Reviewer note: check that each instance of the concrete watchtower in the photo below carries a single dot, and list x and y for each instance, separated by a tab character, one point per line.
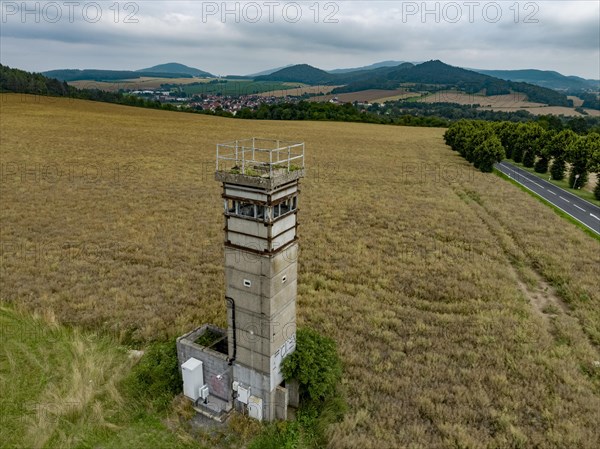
260	195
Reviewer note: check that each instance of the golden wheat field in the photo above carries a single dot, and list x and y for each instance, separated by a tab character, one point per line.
467	314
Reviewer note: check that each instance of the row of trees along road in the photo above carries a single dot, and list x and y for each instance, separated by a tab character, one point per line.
560	152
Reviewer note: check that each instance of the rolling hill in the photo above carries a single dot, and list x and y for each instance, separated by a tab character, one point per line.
268	71
169	70
174	67
431	73
544	78
300	73
376	65
107	75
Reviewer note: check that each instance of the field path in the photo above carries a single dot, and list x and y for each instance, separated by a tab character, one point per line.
544	299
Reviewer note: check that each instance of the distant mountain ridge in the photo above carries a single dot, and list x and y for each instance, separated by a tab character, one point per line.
544	78
268	71
106	75
304	73
376	65
175	67
428	73
300	73
169	70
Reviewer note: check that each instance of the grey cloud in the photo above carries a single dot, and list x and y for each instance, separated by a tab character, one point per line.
366	32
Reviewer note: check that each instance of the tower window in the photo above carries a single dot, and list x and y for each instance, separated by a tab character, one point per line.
284	207
250	210
247	210
230	206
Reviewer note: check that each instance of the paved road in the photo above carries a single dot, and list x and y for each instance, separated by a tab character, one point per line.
581	210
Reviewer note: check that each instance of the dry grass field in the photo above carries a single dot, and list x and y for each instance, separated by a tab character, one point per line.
401	96
514	100
365	95
507	103
142	83
577	102
545	110
297	90
467	313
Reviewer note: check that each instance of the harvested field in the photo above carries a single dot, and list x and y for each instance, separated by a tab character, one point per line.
516	100
545	110
142	83
363	95
298	91
576	101
507	103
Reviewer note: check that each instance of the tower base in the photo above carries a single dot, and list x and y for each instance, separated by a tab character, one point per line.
229	385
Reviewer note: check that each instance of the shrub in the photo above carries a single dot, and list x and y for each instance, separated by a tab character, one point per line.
308	431
156	377
279	435
314	364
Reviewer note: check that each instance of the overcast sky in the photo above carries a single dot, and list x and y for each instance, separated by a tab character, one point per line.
246	37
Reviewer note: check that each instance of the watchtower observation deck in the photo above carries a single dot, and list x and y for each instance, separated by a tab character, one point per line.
262	163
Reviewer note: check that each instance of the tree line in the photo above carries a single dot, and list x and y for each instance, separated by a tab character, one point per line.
561	153
325	111
20	81
453	112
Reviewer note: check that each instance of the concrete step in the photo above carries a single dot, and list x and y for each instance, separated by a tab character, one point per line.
214	408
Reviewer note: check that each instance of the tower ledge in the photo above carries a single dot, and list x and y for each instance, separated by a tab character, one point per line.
262	182
262	163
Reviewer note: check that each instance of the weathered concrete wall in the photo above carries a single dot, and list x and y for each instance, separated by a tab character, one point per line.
293	393
262	265
277	180
281	402
259	385
216	368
